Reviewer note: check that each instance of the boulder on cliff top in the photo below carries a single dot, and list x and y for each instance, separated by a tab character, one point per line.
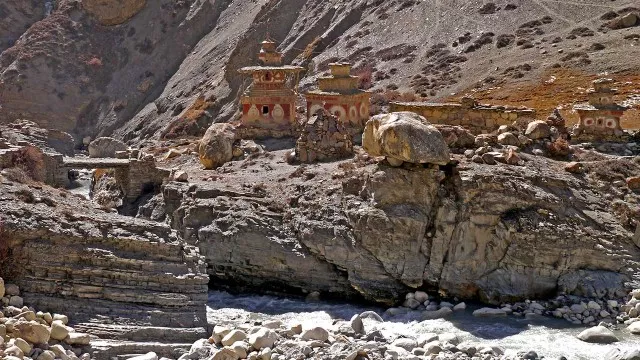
106	147
405	136
216	146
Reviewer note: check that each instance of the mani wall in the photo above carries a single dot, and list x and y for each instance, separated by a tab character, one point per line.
477	118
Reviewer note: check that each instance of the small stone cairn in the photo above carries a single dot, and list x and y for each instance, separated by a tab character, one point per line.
27	334
323	138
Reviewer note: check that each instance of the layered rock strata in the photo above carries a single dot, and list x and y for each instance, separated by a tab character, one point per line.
118	278
498	233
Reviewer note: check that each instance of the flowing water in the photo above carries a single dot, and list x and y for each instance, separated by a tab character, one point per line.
81	185
550	338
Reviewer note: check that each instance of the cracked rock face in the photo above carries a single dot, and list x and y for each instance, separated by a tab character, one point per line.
491	233
113	12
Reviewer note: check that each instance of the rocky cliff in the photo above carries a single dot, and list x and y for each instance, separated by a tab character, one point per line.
131	282
494	233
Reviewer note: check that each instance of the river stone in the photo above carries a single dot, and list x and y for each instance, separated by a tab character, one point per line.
593	305
147	356
626	354
33	332
433	348
316	333
78	339
371	315
12	290
578	308
634	328
599	335
14	351
240	348
47	355
263	338
216	146
405	136
224	354
221	331
1	288
357	325
58	330
411	303
233	336
437	314
460	307
16	301
23	345
273	324
405	343
450	338
63	318
421	296
426	338
489	312
106	147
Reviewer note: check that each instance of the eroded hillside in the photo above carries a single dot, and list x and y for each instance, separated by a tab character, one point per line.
143	70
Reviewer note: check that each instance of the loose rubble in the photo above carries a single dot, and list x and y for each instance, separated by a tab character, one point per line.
29	334
356	339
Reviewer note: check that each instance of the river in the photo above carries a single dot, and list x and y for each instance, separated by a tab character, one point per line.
551	338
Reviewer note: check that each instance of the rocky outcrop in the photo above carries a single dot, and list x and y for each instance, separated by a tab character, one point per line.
97	77
48	140
151	286
17	16
106	147
113	12
497	234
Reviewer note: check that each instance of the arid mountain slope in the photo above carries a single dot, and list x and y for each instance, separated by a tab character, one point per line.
163	68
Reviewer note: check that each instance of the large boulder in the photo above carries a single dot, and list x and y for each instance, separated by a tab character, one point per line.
598	335
405	136
538	130
263	338
33	332
216	146
106	147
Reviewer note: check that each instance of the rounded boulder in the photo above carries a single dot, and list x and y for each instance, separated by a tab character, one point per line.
405	137
216	146
106	147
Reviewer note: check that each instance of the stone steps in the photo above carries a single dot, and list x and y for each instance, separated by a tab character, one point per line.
117	349
135	333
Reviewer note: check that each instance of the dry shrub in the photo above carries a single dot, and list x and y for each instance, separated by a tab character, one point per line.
16	174
559	148
310	49
193	122
30	160
95	62
365	74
